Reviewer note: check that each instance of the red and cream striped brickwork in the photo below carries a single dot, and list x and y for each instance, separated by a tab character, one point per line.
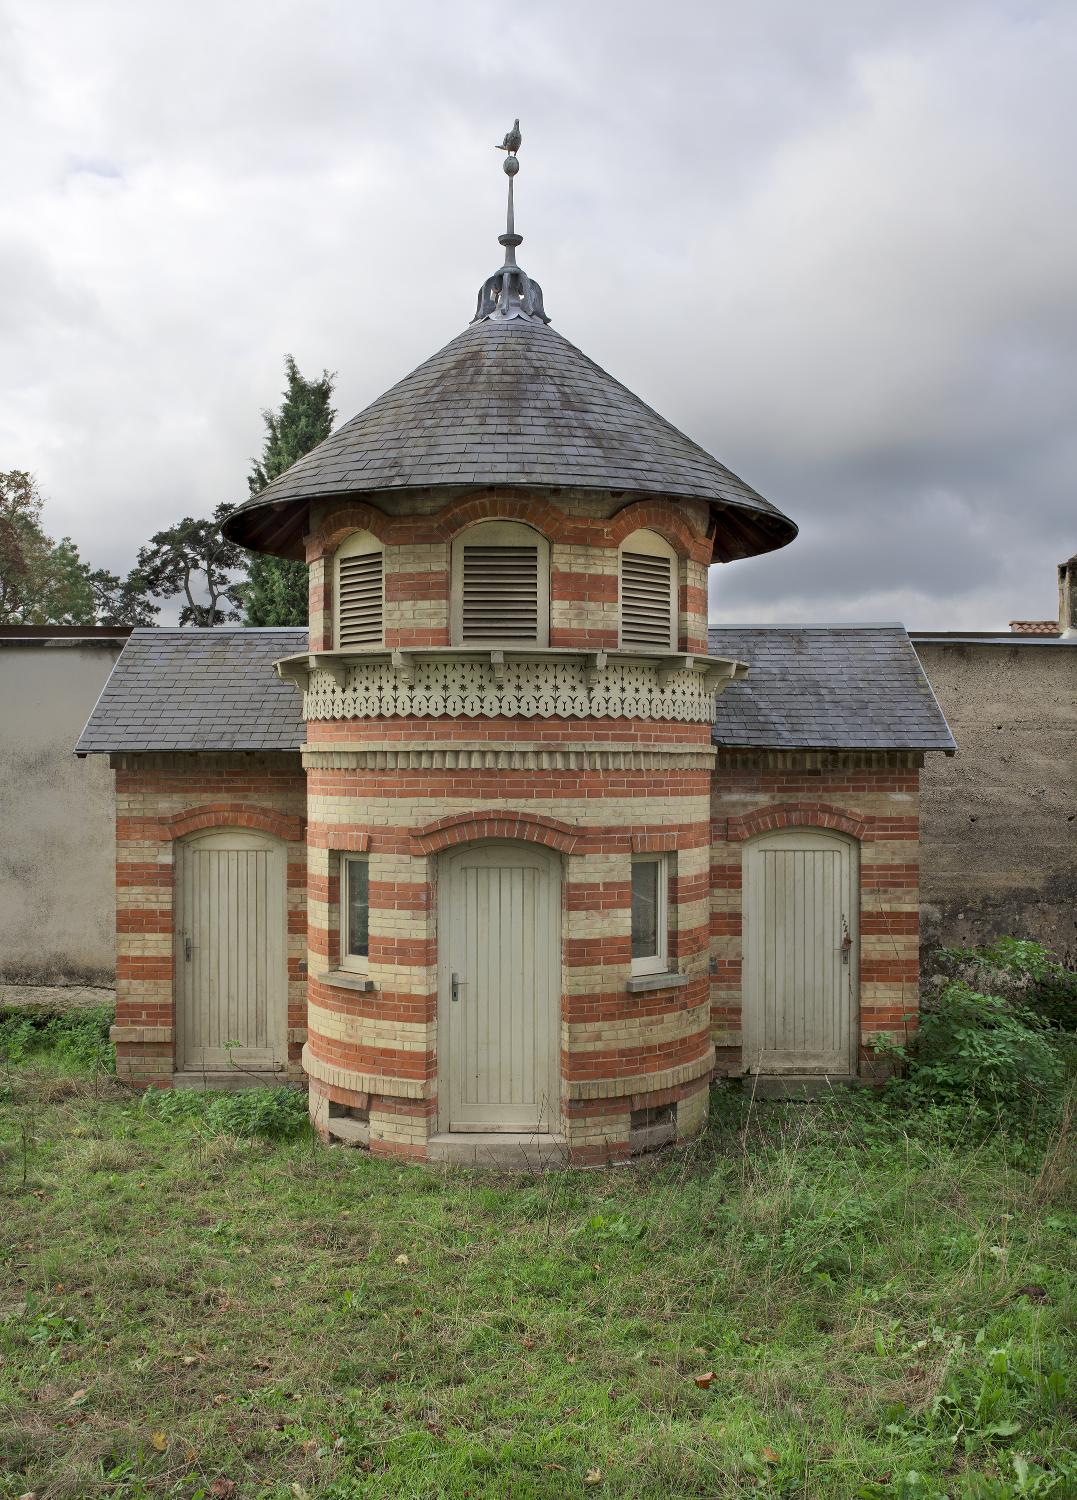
160	799
584	530
871	797
595	791
621	1053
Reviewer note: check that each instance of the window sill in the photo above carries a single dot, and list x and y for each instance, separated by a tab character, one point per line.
640	982
344	979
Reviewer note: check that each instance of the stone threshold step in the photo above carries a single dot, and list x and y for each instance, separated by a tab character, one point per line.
504	1150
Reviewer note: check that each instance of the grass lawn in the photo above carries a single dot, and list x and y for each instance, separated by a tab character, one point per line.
815	1300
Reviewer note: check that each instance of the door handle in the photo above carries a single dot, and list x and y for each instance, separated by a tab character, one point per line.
186	947
457	986
846	941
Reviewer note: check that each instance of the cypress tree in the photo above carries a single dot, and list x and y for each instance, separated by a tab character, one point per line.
277	594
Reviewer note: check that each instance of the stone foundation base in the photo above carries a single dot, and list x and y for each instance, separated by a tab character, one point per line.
605	1132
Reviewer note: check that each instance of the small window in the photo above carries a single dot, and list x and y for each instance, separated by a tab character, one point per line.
354	913
501	586
650	945
648	593
359	591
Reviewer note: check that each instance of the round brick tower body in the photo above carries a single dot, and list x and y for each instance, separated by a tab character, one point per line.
509	704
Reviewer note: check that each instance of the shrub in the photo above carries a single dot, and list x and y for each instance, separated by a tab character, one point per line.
1020	970
278	1114
77	1036
987	1050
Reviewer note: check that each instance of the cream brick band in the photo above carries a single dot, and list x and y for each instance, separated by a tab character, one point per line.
140	1033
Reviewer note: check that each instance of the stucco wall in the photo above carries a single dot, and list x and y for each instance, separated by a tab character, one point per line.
999	819
57	841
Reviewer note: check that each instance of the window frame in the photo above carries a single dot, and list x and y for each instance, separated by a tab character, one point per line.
358	544
650	544
658	962
352	963
498	534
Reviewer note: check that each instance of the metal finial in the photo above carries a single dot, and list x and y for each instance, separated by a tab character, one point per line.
510	292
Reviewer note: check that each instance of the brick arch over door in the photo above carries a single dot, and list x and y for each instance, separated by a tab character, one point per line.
470	828
223	815
795	815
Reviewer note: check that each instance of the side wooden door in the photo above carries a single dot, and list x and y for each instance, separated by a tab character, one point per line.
231	982
499	947
801	943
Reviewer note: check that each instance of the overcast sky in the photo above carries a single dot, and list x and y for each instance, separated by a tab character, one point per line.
835	243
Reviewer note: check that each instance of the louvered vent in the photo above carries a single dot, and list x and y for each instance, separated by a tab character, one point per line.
501	594
646	601
359	604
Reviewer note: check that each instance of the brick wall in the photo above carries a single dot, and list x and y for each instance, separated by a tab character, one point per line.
584	532
163	798
620	1051
872	799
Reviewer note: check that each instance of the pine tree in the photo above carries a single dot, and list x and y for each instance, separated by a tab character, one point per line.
277	594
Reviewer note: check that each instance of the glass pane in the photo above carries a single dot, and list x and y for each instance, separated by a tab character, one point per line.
645	908
356	903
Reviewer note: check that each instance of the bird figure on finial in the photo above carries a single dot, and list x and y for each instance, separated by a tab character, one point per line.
513	140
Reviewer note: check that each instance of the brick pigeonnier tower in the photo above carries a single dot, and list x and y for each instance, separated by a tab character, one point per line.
508	704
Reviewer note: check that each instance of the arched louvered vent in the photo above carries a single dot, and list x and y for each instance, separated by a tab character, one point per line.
359	600
501	594
647	616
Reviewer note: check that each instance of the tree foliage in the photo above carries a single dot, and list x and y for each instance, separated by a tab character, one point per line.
44	582
277	594
194	560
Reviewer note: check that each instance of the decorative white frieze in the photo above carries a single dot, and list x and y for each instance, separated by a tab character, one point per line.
564	685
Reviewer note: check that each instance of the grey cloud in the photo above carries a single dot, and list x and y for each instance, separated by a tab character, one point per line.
835	245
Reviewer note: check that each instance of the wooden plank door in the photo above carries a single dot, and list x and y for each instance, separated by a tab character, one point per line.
499	947
230	960
799	984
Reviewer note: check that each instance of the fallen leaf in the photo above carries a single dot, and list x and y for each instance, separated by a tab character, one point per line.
310	1445
260	1364
159	1441
570	1359
1033	1293
528	1343
221	1489
705	1381
79	1397
190	1359
276	1281
593	1476
401	1260
770	1456
190	1456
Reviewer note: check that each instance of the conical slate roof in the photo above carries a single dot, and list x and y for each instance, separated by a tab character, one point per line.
509	402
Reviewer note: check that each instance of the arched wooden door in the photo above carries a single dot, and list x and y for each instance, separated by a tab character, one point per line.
801	945
499	962
231	978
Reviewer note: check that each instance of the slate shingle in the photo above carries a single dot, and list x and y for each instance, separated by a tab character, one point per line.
198	690
513	403
826	687
842	687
